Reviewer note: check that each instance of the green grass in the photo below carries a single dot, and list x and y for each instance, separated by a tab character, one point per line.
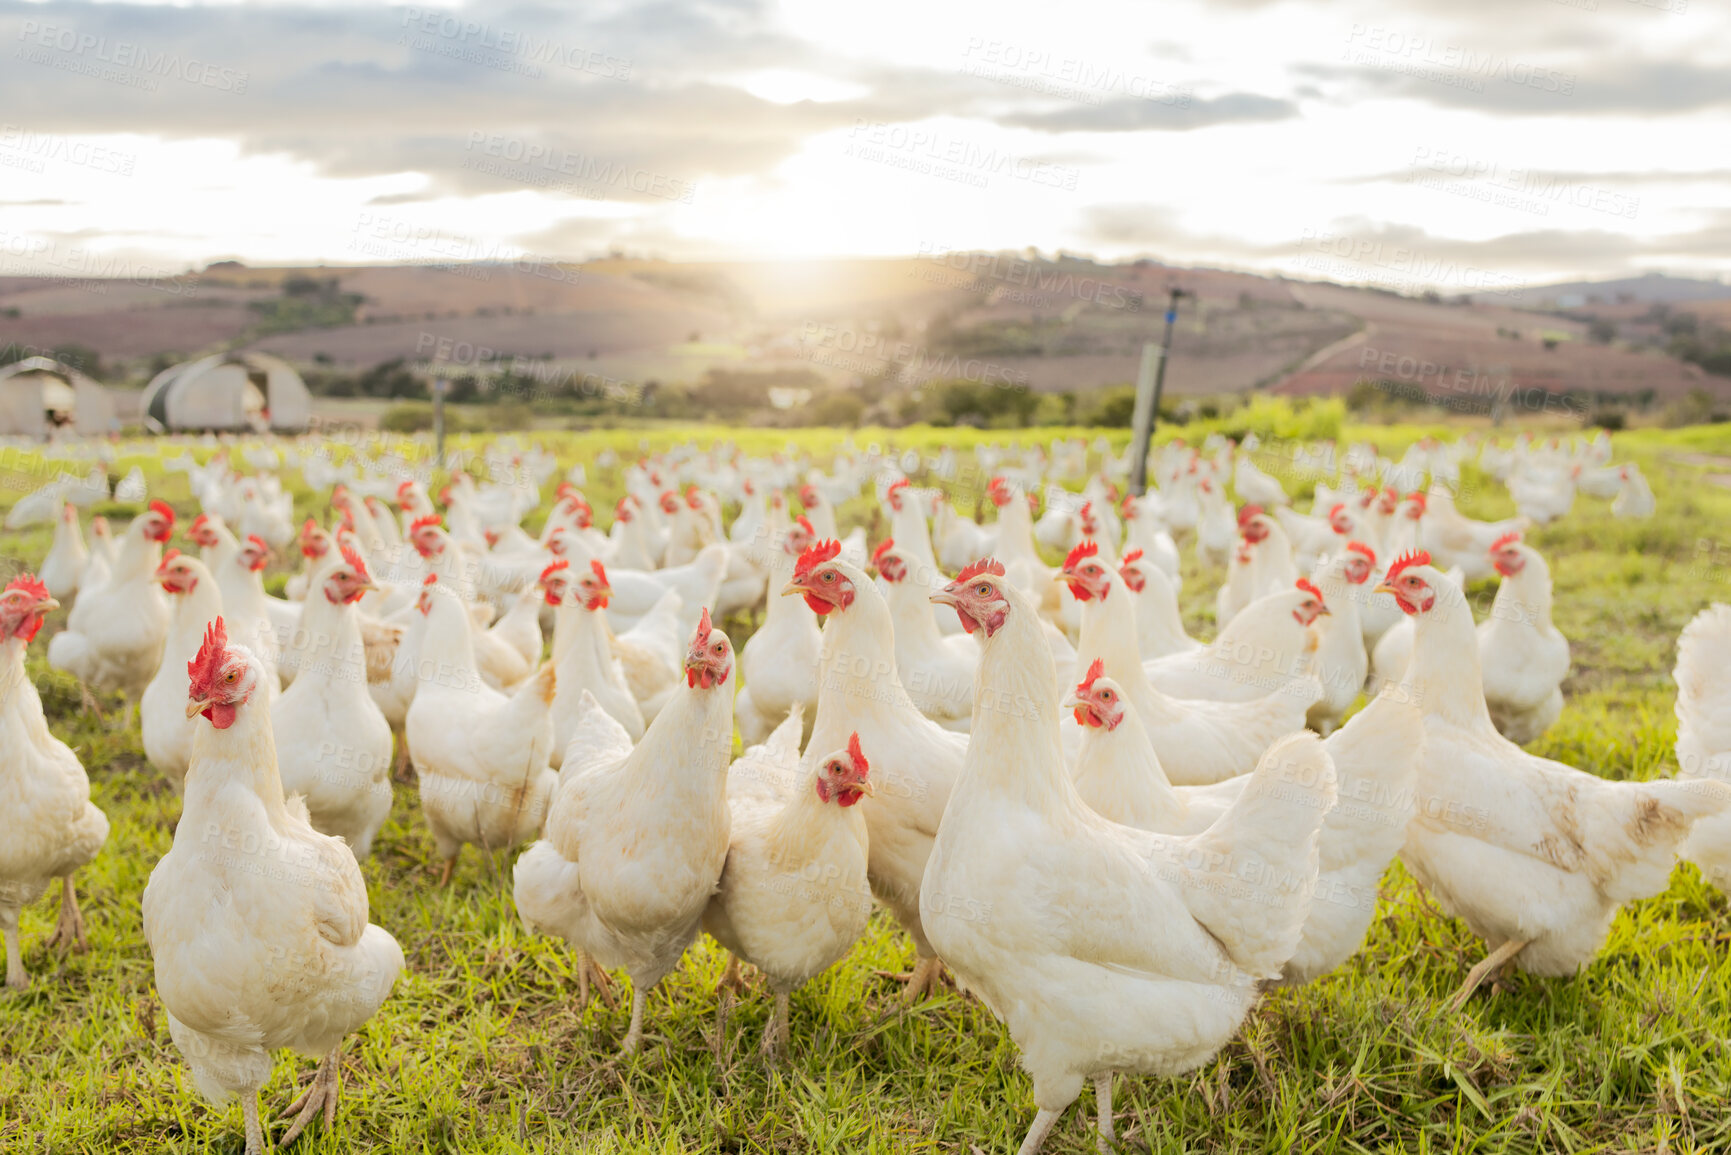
480	1048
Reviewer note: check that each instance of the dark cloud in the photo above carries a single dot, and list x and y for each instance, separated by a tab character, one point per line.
1174	112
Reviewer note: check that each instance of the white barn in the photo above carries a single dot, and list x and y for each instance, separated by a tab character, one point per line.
40	395
229	391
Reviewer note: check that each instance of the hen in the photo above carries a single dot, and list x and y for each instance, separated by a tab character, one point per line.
584	661
165	731
1200	740
637	836
64	565
1261	564
779	661
333	743
52	828
915	761
481	757
256	922
1524	657
1375	757
114	636
1159	625
937	669
793	897
1534	855
1104	948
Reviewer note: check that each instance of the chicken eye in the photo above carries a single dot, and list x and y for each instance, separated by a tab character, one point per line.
719	648
1105	695
829	575
231	677
983	590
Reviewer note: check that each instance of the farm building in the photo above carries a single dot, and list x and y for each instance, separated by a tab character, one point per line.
230	391
40	395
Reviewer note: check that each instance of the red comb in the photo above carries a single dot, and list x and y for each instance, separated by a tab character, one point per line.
1096	668
854	752
421	523
1133	555
164	509
884	547
202	670
599	570
989	565
167	556
1306	585
552	569
1417	557
805	524
703	628
1339	508
1360	547
257	542
403	489
1506	539
29	584
693	498
1248	512
429	579
1421	497
357	563
1127	509
1085	550
815	556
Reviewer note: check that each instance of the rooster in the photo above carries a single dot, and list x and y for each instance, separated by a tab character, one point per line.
793	897
1534	855
481	757
114	636
333	744
256	922
1104	948
916	760
637	835
52	828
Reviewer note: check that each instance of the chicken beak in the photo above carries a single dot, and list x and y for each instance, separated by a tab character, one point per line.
865	787
1383	588
196	707
605	591
1063	575
1325	610
44	606
944	597
793	586
1071	701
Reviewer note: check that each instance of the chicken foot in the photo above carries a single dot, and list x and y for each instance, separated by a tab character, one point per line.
634	1036
775	1032
926	978
450	868
69	930
1491	964
322	1092
1042	1126
254	1128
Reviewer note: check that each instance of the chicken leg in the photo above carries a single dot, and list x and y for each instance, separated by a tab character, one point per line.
1491	963
1103	1101
69	930
589	973
634	1035
1042	1126
254	1129
450	868
16	979
776	1031
927	977
322	1092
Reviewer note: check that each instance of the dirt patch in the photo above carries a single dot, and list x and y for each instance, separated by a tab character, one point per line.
1707	460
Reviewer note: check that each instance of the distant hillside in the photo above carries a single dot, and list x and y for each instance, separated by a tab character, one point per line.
1050	324
1652	289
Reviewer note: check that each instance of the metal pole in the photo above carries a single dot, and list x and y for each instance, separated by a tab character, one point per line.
1147	412
439	419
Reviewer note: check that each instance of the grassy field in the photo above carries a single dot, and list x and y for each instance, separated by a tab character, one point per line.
480	1049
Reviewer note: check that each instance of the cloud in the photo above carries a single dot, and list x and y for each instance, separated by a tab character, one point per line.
1175	112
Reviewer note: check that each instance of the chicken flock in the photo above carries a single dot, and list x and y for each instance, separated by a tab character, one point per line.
1113	834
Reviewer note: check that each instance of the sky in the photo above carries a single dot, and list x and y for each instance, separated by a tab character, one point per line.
1454	144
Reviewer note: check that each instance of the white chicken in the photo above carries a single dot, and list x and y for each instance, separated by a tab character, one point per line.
165	731
256	922
638	835
1104	948
333	743
793	897
936	669
1268	647
915	760
1262	564
1703	678
1534	855
1201	740
1524	657
52	828
114	636
481	756
67	557
584	658
1340	662
1159	625
779	662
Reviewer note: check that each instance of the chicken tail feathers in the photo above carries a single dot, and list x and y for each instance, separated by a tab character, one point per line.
1250	877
